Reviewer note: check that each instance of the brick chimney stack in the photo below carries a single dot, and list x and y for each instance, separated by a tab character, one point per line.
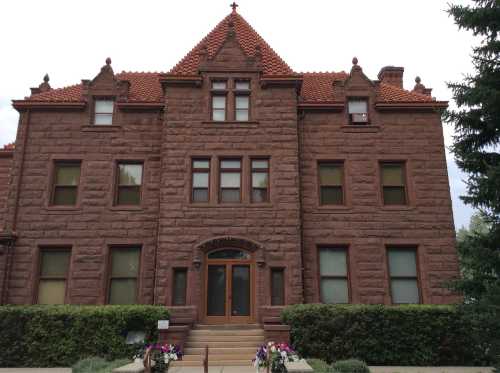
392	75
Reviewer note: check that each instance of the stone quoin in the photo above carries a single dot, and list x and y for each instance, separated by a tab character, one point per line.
227	188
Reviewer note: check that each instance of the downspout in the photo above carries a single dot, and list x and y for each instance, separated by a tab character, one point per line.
300	116
155	264
21	168
10	245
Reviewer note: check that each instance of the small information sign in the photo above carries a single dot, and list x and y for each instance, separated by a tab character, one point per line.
163	324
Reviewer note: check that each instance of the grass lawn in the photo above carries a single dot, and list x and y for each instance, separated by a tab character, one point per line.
98	365
319	366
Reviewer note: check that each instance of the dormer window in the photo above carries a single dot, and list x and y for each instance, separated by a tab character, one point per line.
230	100
358	111
103	112
219	99
242	100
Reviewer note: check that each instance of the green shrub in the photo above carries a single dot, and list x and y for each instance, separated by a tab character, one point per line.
47	336
388	335
351	366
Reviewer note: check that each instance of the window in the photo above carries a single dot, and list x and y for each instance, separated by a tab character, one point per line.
66	180
124	275
230	180
219	98
129	184
331	181
179	287
103	112
54	265
277	286
200	180
358	111
242	100
403	275
260	180
333	275
393	183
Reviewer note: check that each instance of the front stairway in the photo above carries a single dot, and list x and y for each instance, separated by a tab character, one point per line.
228	345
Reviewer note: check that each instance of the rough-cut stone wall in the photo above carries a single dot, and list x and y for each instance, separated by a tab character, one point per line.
271	132
364	224
94	223
5	167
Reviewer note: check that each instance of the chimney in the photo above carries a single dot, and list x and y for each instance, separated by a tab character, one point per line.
392	75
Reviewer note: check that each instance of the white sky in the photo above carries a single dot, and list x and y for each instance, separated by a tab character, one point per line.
71	39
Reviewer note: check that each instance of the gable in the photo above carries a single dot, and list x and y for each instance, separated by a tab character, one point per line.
249	40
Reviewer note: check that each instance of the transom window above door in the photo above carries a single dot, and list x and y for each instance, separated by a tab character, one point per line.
228	254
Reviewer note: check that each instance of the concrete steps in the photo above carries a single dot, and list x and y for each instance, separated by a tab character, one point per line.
228	345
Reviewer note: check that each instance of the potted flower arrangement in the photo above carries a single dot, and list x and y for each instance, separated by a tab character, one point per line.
157	357
273	356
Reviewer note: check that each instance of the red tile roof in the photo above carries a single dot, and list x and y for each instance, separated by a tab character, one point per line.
390	93
248	39
144	87
318	87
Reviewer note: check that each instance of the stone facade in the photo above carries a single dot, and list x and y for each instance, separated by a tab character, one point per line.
167	133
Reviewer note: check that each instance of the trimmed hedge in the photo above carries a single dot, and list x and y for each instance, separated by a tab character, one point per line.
390	335
48	336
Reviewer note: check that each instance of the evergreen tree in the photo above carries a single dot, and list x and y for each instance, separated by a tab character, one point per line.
476	148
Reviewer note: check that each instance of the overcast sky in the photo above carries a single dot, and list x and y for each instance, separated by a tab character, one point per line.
70	40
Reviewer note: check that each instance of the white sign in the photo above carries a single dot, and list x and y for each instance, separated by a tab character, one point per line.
163	324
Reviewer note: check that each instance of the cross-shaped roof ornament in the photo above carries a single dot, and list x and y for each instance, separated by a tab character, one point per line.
234	6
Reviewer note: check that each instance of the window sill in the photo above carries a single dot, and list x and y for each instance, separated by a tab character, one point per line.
100	128
63	209
126	208
356	128
231	123
332	209
230	205
398	208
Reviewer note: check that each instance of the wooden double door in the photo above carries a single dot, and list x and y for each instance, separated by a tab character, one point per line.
229	287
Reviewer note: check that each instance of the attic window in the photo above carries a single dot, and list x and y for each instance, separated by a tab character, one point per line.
103	112
358	111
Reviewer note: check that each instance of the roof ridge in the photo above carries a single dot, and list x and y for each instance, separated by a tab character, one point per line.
140	72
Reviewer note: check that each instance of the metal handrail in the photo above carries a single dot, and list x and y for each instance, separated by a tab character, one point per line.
205	360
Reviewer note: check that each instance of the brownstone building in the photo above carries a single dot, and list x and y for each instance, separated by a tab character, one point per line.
227	187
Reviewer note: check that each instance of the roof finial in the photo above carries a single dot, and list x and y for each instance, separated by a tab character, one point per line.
355	61
418	80
46	78
108	61
234	6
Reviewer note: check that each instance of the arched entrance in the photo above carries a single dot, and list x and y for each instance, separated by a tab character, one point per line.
229	286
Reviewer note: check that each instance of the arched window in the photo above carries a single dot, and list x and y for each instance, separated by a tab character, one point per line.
228	254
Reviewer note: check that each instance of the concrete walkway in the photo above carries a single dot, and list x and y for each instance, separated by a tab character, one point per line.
402	369
35	370
251	369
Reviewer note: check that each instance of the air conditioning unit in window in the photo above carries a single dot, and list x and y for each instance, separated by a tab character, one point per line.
359	118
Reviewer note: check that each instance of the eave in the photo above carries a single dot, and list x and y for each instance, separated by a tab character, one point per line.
7	237
411	106
141	105
322	106
186	80
281	80
6	153
20	105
